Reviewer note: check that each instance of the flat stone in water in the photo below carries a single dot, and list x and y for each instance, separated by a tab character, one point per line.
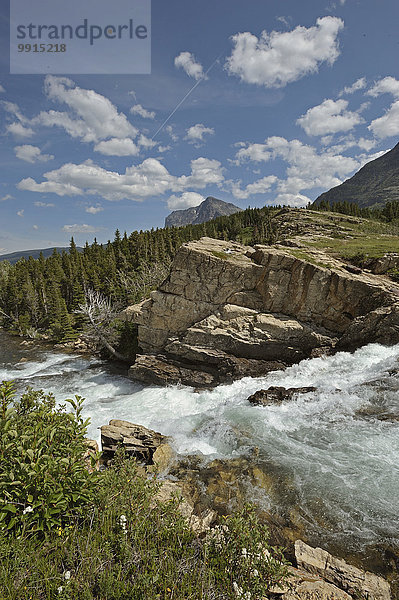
277	395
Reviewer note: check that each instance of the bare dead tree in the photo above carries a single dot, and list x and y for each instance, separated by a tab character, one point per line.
139	284
100	314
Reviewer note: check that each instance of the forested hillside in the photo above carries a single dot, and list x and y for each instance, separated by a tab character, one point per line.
43	295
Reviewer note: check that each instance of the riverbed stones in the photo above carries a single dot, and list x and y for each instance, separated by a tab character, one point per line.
336	571
137	441
277	395
163	458
199	522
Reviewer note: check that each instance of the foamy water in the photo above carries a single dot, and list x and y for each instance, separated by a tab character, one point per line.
343	467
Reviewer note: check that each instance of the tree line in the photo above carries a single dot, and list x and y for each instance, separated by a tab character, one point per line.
387	213
46	295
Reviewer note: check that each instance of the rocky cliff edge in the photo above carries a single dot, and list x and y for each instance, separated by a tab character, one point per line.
227	311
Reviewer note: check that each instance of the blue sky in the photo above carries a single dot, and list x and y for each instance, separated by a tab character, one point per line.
290	99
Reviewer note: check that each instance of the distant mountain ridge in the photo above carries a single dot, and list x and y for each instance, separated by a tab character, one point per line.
14	257
372	186
208	209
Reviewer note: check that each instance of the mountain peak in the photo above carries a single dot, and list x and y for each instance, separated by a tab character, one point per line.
209	209
372	186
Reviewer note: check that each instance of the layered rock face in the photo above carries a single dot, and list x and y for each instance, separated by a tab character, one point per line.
227	311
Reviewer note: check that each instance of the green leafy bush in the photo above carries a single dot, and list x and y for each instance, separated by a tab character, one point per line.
69	535
44	480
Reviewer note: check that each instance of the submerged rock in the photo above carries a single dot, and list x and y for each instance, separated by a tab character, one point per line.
277	395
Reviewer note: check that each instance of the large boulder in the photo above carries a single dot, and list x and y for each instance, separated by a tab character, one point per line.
137	441
224	303
357	583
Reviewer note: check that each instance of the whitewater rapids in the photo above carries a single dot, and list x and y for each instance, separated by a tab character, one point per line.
338	447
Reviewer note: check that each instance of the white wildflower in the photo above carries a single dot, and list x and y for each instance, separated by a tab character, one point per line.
67	575
27	510
122	522
244	553
60	589
239	592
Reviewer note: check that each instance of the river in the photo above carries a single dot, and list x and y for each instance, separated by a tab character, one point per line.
338	447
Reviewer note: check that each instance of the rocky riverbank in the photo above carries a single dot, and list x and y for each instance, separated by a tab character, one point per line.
205	494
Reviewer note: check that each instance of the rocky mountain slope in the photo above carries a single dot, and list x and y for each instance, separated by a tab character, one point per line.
374	185
228	310
14	257
208	209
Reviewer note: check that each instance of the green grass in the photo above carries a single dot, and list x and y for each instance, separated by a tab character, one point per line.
374	246
303	255
221	255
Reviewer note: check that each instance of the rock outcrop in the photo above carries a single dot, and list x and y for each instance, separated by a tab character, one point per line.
137	441
227	311
357	583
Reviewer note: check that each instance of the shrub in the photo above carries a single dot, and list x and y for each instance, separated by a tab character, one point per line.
241	558
69	535
44	481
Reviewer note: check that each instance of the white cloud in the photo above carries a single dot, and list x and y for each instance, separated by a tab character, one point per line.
260	186
93	210
150	178
35	227
6	197
306	168
359	84
80	228
2	89
388	124
284	20
171	133
146	142
195	134
278	58
117	147
186	200
31	154
387	85
14	110
162	149
137	109
20	213
292	199
330	116
44	204
349	141
93	118
187	62
20	130
49	187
